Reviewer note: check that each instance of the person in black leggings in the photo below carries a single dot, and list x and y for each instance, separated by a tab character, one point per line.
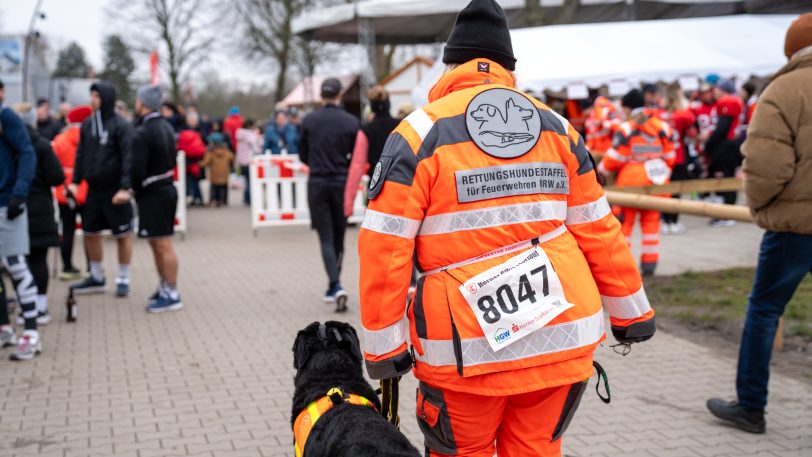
38	265
42	229
67	216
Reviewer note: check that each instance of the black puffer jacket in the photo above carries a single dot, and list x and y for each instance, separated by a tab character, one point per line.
42	227
104	155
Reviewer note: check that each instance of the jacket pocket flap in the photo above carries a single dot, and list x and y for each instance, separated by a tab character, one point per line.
427	411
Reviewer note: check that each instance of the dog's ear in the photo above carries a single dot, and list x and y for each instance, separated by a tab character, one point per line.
349	335
301	346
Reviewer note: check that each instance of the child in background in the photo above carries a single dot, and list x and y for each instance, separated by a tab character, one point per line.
249	144
218	160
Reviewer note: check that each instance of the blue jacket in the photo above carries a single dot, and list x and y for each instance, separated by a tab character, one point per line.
17	158
289	136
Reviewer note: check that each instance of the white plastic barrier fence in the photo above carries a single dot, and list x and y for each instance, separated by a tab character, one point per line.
180	186
279	193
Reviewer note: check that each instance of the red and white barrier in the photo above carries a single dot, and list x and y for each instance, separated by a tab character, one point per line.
279	193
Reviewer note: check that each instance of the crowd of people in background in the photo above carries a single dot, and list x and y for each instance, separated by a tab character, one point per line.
707	128
697	136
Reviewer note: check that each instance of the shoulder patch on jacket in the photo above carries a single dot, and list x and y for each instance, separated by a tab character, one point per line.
397	164
503	123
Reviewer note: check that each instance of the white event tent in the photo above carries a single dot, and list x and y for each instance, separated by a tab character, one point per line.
622	54
555	57
430	21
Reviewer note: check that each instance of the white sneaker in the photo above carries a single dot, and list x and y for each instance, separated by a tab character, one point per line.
7	337
28	346
677	228
665	229
716	223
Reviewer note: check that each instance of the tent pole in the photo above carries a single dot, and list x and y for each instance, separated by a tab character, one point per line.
366	77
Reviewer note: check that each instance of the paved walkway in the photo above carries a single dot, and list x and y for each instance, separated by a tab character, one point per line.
216	378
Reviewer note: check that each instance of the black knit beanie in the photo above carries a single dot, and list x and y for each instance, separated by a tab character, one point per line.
481	31
633	99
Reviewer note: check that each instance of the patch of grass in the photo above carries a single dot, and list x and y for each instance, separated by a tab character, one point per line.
719	299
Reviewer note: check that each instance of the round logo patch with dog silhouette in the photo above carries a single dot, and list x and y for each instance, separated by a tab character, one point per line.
503	123
376	175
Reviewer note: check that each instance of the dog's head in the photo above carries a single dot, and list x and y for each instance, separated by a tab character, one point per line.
334	344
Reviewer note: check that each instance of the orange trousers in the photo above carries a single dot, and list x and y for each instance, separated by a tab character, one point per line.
470	425
650	225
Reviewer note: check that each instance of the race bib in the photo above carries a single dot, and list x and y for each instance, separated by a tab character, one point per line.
515	298
657	171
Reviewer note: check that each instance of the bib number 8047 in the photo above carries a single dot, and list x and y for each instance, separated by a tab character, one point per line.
506	299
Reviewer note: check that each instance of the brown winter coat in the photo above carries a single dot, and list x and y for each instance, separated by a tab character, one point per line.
218	161
778	151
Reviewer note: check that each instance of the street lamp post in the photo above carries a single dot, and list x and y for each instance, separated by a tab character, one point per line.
29	36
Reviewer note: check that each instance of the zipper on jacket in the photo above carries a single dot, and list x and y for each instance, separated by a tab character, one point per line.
455	335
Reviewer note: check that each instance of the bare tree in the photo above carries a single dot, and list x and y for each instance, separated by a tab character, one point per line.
384	58
177	25
267	29
266	25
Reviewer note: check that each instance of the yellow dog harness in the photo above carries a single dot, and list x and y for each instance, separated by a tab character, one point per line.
308	417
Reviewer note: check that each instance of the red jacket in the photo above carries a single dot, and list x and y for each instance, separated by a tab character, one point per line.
190	142
728	106
65	145
230	126
683	123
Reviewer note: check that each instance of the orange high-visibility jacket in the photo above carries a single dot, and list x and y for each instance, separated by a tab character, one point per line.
601	125
438	198
634	145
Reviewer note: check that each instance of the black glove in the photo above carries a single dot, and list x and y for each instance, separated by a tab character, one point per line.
16	206
635	333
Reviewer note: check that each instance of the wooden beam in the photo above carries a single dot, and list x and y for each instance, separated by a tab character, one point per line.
684	187
673	205
778	343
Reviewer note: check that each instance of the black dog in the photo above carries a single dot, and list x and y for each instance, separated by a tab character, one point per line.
327	356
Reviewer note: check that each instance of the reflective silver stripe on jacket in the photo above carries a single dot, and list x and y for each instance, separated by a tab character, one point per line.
590	212
156	178
420	122
386	340
388	224
628	307
547	340
501	251
614	154
495	216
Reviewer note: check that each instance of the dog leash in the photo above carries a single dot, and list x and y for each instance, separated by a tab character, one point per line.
390	394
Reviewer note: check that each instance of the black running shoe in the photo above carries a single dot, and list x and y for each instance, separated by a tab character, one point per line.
733	412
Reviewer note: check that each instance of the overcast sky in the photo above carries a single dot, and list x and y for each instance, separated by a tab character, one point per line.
66	20
86	22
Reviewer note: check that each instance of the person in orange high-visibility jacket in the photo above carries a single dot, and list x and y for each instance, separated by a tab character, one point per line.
643	154
65	145
494	198
601	124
